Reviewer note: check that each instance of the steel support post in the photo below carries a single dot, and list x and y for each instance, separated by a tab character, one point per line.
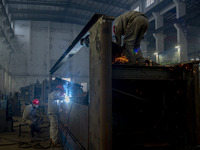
50	83
197	101
193	106
100	105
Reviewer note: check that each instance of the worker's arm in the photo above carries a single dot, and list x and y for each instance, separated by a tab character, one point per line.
55	97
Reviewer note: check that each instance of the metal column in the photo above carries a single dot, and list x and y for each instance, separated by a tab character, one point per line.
50	83
100	106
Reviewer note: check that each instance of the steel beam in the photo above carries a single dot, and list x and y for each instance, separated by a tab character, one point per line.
113	3
63	58
48	19
64	5
47	12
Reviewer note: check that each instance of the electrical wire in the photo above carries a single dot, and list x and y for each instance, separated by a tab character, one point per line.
70	133
30	144
130	95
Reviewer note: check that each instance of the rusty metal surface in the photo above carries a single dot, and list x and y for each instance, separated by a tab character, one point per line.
167	93
197	100
100	106
123	71
193	104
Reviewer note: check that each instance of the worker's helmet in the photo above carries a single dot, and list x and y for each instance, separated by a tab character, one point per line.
36	102
60	87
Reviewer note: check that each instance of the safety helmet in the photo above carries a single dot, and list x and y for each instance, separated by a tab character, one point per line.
60	87
36	102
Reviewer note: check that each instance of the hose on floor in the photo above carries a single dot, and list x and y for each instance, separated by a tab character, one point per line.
31	144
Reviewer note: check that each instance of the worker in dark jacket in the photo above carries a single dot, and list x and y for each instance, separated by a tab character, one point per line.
31	117
53	112
132	25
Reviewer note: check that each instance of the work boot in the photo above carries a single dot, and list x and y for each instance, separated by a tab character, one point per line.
140	60
130	56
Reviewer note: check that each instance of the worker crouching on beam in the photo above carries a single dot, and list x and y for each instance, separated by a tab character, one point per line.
132	25
53	112
31	117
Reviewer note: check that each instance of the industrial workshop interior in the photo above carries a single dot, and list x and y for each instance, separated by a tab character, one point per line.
99	74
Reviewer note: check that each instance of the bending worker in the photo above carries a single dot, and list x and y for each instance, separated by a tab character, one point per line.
53	112
132	25
30	116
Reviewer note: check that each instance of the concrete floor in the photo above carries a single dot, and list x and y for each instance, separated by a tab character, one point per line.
12	141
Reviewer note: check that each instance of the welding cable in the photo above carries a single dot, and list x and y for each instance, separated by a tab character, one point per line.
68	122
34	144
75	139
10	144
69	114
130	95
16	142
70	133
26	144
10	140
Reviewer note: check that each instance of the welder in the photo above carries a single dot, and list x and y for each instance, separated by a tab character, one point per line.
31	117
53	113
132	25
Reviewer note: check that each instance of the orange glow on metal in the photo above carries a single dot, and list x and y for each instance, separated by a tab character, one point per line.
121	60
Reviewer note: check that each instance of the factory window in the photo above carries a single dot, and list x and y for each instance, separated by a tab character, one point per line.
66	79
137	9
149	2
84	86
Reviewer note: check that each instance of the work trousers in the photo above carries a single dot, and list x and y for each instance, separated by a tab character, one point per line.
34	128
134	33
53	118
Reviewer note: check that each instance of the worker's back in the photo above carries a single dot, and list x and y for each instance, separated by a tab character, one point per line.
29	113
123	20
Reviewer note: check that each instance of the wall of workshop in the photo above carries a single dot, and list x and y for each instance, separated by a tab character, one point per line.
76	68
5	75
38	46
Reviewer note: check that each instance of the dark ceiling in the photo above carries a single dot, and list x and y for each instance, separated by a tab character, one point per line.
65	11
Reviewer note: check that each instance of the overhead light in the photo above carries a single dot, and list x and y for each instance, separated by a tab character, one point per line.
156	53
177	47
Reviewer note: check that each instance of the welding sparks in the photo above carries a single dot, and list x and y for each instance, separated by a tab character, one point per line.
67	98
67	94
121	60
